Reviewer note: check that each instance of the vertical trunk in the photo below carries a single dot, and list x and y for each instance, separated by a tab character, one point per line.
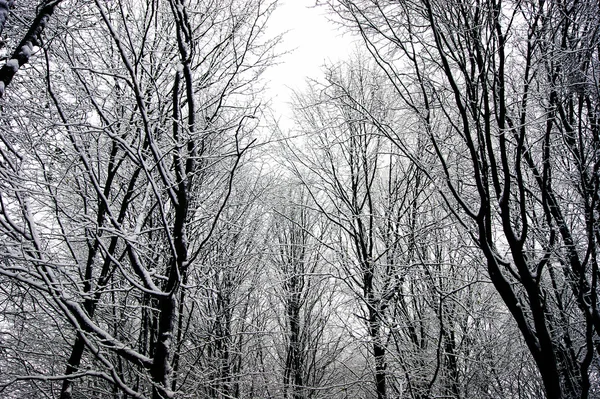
72	367
91	302
294	363
451	364
161	367
374	325
225	339
538	342
378	354
180	332
79	344
380	364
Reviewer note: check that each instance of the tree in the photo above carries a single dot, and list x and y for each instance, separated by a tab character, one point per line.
506	94
439	323
147	113
392	243
343	161
308	297
225	296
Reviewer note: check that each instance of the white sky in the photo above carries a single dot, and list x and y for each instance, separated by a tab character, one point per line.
312	40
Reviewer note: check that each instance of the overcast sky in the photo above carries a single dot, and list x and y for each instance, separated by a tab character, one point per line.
312	40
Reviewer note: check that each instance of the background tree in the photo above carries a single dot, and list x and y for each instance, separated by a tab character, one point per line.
397	250
224	292
308	296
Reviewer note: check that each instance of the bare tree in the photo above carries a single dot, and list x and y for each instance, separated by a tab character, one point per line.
425	277
222	339
381	205
504	92
146	115
345	159
307	297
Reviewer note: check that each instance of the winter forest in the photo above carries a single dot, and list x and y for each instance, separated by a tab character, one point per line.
426	226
